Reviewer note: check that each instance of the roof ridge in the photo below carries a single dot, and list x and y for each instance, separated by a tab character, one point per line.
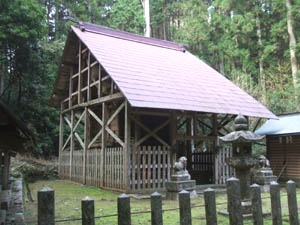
107	31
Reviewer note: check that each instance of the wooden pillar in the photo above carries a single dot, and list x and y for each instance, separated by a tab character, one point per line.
70	87
1	166
79	74
103	143
61	139
189	144
173	133
86	141
215	134
89	77
5	176
99	84
72	145
127	147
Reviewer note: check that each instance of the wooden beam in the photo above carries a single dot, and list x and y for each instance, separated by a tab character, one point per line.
103	145
115	113
61	139
149	113
89	77
111	133
70	87
72	145
95	102
95	138
99	84
127	147
151	133
79	120
79	75
95	117
86	142
256	124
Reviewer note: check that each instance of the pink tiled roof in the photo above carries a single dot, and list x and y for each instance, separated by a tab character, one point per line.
159	74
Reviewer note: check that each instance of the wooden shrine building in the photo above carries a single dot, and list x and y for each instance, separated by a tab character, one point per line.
283	145
131	105
13	135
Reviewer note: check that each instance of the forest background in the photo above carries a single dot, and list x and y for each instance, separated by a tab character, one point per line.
253	43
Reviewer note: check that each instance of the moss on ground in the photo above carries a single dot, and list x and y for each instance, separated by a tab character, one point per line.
68	196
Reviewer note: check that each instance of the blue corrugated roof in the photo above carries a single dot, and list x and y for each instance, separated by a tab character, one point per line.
286	124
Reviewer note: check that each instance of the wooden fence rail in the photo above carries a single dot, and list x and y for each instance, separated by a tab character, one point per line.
46	206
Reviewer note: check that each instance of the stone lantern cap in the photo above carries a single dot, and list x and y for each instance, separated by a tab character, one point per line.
241	133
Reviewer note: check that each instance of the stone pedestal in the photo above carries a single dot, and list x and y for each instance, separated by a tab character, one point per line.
263	177
179	183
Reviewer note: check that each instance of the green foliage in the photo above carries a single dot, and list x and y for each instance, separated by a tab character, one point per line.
127	15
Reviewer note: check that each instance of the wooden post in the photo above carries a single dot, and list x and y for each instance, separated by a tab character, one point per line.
234	201
61	139
79	74
87	211
156	209
103	143
99	84
89	77
214	133
5	176
185	208
210	207
46	207
86	142
189	144
275	203
256	204
292	202
70	88
124	217
72	145
127	149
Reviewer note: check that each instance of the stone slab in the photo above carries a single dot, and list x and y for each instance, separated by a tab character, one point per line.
179	178
245	216
177	186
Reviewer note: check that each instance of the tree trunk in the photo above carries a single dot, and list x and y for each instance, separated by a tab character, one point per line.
262	75
292	43
147	18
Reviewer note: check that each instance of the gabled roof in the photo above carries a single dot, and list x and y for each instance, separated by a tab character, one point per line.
152	73
286	124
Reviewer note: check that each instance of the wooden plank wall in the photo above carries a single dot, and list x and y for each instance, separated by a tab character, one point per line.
114	167
113	173
150	167
276	154
64	164
222	170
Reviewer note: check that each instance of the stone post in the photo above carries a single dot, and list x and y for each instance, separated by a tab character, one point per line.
210	207
124	217
275	203
234	201
156	209
185	208
46	209
292	202
87	211
256	204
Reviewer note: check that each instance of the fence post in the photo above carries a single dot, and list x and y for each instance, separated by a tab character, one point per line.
256	204
87	211
156	209
124	210
292	202
185	208
275	203
234	201
46	210
210	207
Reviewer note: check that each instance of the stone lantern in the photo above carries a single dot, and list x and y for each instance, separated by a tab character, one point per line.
242	159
